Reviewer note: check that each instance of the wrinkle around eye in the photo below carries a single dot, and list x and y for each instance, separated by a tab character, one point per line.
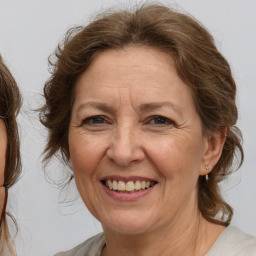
162	120
94	120
95	123
164	129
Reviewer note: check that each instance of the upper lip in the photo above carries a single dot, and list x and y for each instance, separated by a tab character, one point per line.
126	179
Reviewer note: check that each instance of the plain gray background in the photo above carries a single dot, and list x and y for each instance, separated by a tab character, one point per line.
30	31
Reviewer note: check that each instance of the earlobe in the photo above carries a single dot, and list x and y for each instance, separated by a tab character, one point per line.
213	150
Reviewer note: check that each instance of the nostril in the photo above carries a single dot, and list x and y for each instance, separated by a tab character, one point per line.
125	156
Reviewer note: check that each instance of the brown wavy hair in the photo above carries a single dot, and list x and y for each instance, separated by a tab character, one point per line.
198	62
10	103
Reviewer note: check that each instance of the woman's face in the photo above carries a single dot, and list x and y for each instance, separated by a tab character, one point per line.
3	146
134	125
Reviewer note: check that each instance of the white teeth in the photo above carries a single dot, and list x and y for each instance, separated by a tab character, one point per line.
110	184
121	185
130	186
137	185
114	185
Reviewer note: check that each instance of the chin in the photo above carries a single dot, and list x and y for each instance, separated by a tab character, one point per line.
127	223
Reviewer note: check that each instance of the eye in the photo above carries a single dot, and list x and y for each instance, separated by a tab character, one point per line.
94	120
160	120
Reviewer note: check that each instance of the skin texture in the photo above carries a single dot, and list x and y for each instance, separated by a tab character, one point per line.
136	85
3	146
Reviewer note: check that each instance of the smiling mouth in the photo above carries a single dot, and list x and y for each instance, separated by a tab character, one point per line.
129	186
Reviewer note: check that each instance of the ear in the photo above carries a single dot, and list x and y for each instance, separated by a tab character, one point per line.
214	143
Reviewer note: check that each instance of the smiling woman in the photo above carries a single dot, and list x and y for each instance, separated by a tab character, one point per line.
141	104
133	145
10	102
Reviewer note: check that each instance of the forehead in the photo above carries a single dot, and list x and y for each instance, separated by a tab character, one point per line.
131	63
146	74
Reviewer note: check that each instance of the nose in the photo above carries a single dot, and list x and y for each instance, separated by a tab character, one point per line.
125	147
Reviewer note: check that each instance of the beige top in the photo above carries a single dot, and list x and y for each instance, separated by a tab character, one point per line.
232	242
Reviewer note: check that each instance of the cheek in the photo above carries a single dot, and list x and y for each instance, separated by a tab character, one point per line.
176	156
85	153
178	163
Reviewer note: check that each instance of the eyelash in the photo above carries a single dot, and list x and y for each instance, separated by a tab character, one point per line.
162	119
93	118
99	120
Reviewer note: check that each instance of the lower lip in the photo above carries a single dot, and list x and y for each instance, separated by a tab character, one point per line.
123	196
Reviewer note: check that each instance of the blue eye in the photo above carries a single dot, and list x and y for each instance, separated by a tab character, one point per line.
94	120
160	120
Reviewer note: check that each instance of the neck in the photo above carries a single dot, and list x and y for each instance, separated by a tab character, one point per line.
185	238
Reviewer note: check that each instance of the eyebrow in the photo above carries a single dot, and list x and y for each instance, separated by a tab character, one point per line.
99	105
146	107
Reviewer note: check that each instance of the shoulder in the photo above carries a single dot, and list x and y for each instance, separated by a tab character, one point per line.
233	242
91	247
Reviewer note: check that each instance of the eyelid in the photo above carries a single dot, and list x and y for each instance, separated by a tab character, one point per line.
87	119
106	120
168	120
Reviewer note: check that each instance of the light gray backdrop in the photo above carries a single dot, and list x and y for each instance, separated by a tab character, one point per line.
30	31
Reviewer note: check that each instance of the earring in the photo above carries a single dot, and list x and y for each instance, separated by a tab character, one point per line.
206	176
